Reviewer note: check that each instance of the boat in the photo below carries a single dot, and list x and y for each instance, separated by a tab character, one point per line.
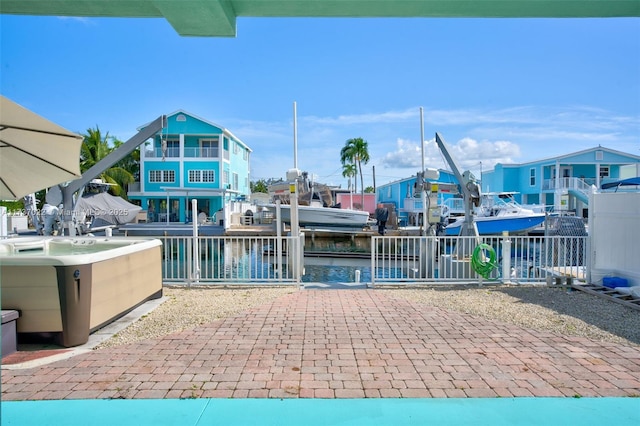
316	206
634	181
317	216
498	212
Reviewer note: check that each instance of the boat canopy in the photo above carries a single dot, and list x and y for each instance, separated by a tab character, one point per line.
105	209
634	181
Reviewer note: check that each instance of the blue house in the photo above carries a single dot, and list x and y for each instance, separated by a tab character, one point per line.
562	183
405	198
190	158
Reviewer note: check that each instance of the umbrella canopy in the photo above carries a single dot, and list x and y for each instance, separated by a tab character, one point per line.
34	152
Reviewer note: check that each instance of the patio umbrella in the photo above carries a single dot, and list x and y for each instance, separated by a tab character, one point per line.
34	152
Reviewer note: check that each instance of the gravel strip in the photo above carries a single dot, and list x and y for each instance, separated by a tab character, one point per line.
187	308
570	313
537	307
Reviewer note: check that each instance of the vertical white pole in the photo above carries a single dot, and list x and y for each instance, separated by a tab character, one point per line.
506	258
168	208
295	135
196	244
293	190
423	194
278	240
422	136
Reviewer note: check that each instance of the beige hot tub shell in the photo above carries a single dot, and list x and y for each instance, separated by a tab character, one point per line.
76	295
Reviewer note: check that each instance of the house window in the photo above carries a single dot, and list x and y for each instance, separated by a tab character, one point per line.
162	176
202	176
604	171
225	148
173	148
245	154
235	181
599	155
236	147
225	177
209	148
208	175
532	177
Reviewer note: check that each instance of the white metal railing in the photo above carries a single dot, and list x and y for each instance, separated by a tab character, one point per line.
464	260
577	184
232	260
201	152
171	152
395	260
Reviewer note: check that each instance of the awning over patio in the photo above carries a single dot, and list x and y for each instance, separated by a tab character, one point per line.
216	18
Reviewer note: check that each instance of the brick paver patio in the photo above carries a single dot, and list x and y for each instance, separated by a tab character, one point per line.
340	344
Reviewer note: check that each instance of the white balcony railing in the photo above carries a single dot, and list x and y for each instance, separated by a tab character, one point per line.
189	152
201	152
577	184
157	153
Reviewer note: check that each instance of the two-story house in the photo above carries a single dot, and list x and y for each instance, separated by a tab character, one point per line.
561	183
191	158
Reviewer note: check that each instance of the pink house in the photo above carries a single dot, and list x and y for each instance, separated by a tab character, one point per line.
354	201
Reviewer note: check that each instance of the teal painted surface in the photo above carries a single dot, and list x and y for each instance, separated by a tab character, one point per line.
312	412
579	195
194	130
191	125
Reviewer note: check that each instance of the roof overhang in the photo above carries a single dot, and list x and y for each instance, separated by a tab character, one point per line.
217	18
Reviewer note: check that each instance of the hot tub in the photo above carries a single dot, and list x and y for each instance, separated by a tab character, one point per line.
68	287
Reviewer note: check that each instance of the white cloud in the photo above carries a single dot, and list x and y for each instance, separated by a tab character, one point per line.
467	153
406	155
488	136
83	20
410	114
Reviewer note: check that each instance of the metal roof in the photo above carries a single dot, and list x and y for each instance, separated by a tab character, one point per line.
217	18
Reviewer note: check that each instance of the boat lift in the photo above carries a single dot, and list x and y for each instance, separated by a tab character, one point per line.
64	194
469	188
481	258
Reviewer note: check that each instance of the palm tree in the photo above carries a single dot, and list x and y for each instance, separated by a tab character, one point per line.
350	170
356	151
94	148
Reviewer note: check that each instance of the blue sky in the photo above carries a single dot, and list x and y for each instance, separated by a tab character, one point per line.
497	90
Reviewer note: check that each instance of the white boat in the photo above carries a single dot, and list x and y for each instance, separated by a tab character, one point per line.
316	206
316	216
498	213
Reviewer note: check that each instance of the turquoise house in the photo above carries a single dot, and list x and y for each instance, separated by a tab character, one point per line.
562	183
191	158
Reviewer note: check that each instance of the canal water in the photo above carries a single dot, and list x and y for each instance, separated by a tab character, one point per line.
336	270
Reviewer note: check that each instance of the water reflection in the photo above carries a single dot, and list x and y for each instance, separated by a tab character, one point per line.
335	270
